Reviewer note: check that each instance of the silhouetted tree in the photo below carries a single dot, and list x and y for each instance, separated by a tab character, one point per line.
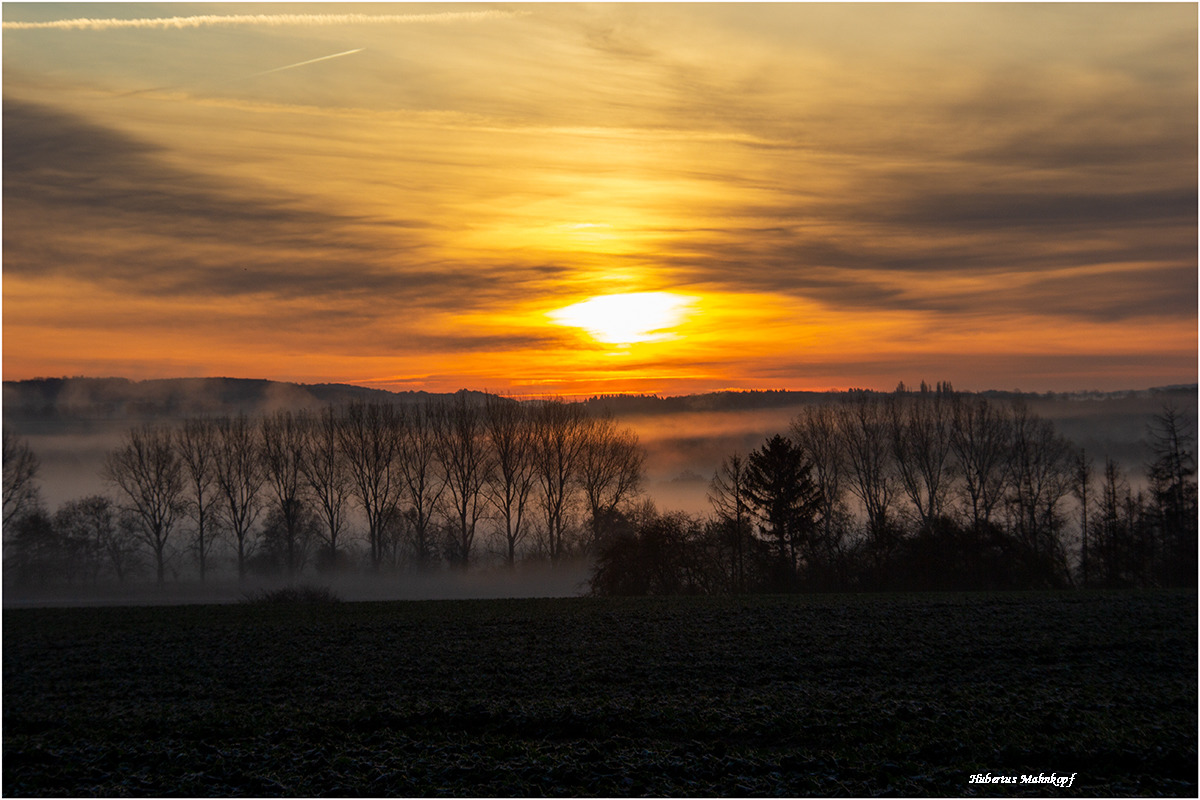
816	431
659	556
1081	488
610	472
20	477
1113	532
148	473
94	536
863	420
921	431
730	499
240	478
559	430
780	487
510	433
196	442
467	465
285	544
1040	465
282	441
370	436
326	475
981	438
423	478
1172	472
34	552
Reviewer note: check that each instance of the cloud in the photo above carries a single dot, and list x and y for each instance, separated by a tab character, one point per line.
1028	211
309	61
92	181
85	202
260	20
977	173
57	159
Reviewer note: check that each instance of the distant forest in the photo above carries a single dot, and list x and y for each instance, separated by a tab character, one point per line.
924	488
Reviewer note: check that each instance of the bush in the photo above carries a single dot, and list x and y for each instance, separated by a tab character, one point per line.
292	595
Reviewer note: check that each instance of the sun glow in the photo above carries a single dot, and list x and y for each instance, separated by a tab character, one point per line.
625	319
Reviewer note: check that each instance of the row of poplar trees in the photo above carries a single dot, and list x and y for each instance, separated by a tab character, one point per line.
413	484
927	489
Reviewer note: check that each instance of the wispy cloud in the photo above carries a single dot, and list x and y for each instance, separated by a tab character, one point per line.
309	61
269	20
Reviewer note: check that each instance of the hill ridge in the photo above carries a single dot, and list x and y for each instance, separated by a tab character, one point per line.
118	397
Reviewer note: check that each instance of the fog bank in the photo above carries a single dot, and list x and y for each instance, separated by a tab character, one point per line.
524	581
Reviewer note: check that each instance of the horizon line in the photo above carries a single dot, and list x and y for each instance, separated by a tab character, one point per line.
584	397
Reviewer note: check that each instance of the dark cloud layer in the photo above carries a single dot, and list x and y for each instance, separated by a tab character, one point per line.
60	161
85	201
1063	212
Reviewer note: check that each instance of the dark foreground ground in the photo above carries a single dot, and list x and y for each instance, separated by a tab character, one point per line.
828	695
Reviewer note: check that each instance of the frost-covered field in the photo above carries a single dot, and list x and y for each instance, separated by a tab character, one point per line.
824	695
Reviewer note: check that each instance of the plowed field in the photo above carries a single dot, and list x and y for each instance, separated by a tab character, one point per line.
821	695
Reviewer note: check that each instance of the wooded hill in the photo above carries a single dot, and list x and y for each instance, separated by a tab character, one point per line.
121	398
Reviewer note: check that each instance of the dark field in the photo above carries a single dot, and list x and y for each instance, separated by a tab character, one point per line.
825	695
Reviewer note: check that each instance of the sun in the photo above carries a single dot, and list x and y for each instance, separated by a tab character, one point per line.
625	319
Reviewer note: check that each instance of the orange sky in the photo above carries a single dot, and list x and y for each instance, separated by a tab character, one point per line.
786	195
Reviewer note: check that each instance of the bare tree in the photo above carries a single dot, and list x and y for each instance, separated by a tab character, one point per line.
282	439
370	438
817	432
1173	492
920	427
729	496
81	526
863	421
147	471
558	436
423	480
33	550
981	438
326	473
96	537
610	472
464	455
510	433
1041	478
1113	525
1081	487
240	477
20	476
196	442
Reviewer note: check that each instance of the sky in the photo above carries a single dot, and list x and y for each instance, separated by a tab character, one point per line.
604	198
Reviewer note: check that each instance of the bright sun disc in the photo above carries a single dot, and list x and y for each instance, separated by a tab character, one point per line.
626	318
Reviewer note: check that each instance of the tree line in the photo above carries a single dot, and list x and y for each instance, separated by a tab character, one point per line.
389	485
927	489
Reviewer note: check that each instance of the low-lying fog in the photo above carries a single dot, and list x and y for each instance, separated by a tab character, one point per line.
684	450
524	580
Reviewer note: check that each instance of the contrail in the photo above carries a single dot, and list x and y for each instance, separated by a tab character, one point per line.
310	61
206	20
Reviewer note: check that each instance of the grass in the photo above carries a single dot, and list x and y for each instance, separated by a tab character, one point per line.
824	695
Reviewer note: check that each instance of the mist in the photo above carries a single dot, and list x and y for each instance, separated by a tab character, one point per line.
72	433
684	449
525	580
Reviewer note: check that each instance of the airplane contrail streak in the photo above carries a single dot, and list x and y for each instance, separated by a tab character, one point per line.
310	61
205	20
